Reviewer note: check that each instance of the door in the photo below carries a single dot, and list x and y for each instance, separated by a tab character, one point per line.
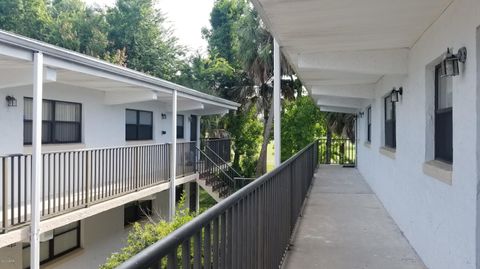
193	128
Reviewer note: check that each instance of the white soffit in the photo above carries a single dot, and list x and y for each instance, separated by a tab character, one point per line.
337	42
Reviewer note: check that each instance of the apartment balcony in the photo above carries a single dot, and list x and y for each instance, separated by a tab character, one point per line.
76	180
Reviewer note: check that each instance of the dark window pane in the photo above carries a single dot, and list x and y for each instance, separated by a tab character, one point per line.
139	125
444	91
131	116
67	112
66	132
65	242
390	128
144	132
27	132
443	118
145	117
131	132
180	132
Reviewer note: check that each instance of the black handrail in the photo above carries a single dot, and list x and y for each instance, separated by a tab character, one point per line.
230	181
251	228
222	161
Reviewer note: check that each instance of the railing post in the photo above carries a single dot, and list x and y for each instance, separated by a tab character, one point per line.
88	178
5	197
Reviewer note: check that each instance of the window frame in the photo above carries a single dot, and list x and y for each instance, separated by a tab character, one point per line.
437	113
137	135
182	136
369	124
390	123
51	245
52	123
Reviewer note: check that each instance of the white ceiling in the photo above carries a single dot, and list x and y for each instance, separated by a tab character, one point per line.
324	39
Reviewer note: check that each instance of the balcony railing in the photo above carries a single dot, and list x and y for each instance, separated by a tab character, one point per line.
79	178
337	151
221	146
249	229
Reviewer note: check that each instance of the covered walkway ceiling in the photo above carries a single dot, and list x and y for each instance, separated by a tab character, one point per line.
341	48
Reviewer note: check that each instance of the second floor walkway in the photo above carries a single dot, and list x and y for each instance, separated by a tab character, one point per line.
344	226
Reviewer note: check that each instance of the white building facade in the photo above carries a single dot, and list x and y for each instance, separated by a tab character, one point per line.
107	133
419	154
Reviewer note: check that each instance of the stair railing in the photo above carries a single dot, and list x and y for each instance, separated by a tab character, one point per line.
209	166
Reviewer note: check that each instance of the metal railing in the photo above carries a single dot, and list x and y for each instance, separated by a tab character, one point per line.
215	175
337	151
79	178
249	229
222	146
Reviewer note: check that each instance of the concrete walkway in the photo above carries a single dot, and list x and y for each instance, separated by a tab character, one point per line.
344	226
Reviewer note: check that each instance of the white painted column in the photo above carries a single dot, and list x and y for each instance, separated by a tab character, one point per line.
36	159
173	157
198	131
276	103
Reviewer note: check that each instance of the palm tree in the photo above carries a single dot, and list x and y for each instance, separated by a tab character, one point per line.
255	53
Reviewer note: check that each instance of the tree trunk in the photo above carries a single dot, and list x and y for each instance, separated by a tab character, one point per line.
262	159
328	146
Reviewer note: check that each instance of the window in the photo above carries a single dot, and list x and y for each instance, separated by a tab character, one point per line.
136	211
139	125
443	117
180	126
390	136
61	121
65	239
369	124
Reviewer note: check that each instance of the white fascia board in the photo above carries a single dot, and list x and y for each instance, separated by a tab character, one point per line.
63	64
127	97
24	77
340	102
381	62
205	101
54	54
339	109
15	52
365	91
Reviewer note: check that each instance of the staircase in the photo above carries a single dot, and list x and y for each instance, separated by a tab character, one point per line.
216	176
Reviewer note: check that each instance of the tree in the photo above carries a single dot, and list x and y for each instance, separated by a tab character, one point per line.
150	47
302	123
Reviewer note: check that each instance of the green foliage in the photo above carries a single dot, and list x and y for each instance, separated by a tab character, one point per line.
143	235
302	123
132	33
246	131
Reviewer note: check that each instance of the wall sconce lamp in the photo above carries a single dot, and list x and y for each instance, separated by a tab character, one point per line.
164	116
11	101
360	114
395	94
449	66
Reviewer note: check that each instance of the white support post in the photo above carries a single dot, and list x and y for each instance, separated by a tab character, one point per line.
36	160
173	157
276	103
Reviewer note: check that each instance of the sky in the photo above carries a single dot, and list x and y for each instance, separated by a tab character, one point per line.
186	17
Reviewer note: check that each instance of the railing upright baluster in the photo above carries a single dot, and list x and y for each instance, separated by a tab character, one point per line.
5	194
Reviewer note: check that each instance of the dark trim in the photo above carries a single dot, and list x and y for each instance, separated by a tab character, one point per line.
137	136
369	124
181	135
53	122
390	125
443	126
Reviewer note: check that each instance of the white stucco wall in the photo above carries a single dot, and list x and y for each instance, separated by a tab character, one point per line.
102	125
438	219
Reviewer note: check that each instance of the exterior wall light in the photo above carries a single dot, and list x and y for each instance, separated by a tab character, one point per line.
395	94
11	101
164	116
450	62
360	114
